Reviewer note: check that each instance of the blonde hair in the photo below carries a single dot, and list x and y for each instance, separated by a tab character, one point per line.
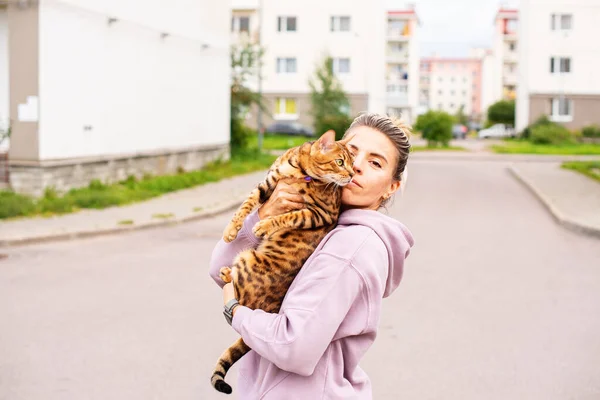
399	134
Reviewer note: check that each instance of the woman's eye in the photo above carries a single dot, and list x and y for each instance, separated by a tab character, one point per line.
376	164
340	162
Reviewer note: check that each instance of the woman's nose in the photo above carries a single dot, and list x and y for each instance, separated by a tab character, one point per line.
356	167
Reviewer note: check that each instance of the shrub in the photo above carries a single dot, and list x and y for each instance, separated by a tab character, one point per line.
541	121
339	123
502	112
591	131
15	205
551	134
436	127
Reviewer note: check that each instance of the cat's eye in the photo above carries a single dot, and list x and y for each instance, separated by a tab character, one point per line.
340	162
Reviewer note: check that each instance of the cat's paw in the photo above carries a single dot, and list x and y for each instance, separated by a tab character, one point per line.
263	229
225	274
231	231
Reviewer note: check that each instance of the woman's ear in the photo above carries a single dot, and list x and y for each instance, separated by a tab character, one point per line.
393	188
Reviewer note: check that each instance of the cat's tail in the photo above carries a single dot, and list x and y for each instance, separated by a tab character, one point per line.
227	359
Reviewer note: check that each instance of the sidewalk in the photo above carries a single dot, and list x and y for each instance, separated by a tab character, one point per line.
573	199
185	205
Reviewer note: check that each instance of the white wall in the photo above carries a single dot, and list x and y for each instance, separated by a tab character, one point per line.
364	45
4	99
458	79
136	91
414	73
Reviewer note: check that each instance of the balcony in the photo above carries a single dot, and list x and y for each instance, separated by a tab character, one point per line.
397	93
511	57
397	57
509	78
397	35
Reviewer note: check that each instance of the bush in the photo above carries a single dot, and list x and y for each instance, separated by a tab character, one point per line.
436	127
541	121
15	205
551	134
502	112
240	135
591	131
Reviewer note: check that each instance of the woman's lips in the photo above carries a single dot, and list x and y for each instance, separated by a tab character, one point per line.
354	183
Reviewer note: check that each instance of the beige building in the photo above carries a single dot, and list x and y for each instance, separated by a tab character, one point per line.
559	60
505	53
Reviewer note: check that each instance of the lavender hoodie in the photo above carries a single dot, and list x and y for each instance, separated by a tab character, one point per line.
330	315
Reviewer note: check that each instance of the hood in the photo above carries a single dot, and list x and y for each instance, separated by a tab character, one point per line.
397	239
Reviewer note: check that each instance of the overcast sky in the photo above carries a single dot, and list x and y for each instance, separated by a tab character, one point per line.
451	27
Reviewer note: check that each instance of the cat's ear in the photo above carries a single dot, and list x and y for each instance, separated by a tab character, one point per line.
345	141
326	140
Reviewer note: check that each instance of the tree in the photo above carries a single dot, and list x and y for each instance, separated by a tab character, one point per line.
436	127
244	61
461	117
502	112
330	106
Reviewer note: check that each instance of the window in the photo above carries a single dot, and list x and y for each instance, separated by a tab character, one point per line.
561	22
440	92
560	65
464	92
512	46
440	106
561	109
285	106
240	24
286	24
452	79
341	65
465	79
451	105
452	93
440	79
340	24
286	65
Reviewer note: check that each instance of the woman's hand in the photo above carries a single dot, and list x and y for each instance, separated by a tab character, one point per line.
284	198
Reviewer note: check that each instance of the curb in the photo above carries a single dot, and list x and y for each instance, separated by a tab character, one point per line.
229	206
558	215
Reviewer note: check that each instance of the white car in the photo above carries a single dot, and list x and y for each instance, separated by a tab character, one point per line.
496	131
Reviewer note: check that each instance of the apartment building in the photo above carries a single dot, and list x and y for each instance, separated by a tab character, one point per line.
450	84
402	64
559	59
104	90
297	36
505	50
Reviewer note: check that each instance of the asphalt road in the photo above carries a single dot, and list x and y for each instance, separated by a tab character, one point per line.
497	302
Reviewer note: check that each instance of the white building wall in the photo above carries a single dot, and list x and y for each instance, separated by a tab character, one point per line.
538	43
414	71
121	88
364	44
4	98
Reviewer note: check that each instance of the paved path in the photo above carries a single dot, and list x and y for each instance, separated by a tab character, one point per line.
498	302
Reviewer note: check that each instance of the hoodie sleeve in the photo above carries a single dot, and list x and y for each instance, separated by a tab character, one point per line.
224	253
314	308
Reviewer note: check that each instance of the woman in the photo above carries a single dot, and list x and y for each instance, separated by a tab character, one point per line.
330	315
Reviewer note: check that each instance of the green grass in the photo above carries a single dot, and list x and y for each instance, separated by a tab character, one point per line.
524	147
99	195
126	222
588	168
441	148
279	142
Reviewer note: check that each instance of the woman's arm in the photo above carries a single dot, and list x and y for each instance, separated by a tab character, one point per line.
297	337
224	253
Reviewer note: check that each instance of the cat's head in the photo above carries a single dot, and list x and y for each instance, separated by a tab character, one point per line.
330	160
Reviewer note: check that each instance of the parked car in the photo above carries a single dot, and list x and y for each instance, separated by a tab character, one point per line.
290	128
459	131
496	131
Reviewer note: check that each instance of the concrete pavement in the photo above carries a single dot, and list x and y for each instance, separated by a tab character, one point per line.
497	302
558	189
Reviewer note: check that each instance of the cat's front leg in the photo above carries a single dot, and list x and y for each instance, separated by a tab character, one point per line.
234	226
225	274
300	219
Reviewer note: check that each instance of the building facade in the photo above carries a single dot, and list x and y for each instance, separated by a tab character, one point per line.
103	90
452	84
402	64
298	36
559	60
505	51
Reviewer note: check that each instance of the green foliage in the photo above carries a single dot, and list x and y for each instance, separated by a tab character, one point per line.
591	131
99	195
245	59
541	121
329	101
436	127
526	147
460	117
551	134
502	112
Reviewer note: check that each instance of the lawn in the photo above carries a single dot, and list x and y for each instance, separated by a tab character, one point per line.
588	168
524	147
279	142
99	195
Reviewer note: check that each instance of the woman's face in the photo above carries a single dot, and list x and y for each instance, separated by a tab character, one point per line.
375	159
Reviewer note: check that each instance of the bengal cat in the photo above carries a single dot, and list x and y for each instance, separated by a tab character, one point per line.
262	277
